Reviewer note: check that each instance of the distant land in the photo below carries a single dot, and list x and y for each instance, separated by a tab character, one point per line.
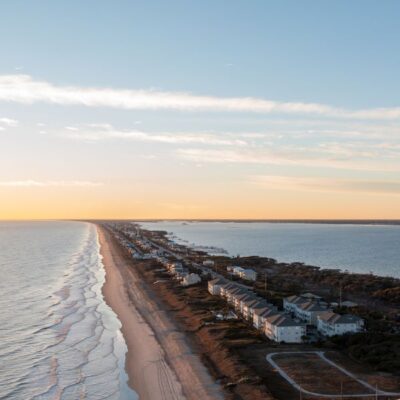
277	221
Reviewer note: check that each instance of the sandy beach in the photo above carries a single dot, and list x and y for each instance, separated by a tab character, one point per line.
159	362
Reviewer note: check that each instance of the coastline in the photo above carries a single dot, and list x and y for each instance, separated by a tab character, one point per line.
159	362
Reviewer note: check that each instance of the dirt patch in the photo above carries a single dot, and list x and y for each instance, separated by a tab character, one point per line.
384	381
315	375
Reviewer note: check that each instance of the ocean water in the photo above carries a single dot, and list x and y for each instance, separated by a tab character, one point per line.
352	247
58	338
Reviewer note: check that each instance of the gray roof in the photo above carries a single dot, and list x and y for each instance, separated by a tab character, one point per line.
242	294
282	320
217	281
251	301
334	318
310	296
266	311
312	306
229	285
234	289
296	299
260	304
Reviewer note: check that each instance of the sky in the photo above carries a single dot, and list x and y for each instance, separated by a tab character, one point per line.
211	109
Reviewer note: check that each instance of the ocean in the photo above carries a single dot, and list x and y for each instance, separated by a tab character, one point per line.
352	247
58	338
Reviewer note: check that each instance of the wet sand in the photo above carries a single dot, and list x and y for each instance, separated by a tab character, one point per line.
159	362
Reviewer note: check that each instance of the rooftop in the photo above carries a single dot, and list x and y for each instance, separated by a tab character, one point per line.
334	318
282	320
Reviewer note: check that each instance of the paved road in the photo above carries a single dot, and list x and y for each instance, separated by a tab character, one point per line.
321	354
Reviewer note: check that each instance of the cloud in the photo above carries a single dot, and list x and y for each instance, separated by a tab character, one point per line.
327	184
285	156
97	132
39	184
26	90
9	122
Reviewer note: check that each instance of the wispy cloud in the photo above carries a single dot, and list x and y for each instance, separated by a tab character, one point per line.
327	184
39	184
24	89
8	122
97	132
288	157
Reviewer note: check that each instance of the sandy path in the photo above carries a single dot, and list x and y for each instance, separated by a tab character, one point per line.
160	364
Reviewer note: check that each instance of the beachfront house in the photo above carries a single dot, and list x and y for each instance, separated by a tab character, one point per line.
214	286
208	263
282	328
190	279
237	271
330	323
248	275
250	307
225	288
179	275
239	297
261	314
309	311
246	301
247	305
174	267
231	292
290	303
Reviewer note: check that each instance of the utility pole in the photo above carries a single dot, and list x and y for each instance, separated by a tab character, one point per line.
340	295
265	282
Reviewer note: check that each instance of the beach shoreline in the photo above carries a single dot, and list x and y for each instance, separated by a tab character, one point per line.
159	362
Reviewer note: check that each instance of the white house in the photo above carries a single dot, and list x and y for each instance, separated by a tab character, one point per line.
309	311
242	301
237	271
250	308
247	307
290	303
260	315
174	267
281	328
190	279
239	297
330	324
214	286
231	292
208	263
225	288
249	275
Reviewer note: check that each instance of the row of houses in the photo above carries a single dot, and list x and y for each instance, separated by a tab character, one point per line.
289	326
263	315
313	311
181	274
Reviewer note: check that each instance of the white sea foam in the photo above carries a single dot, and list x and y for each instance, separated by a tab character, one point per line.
59	340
